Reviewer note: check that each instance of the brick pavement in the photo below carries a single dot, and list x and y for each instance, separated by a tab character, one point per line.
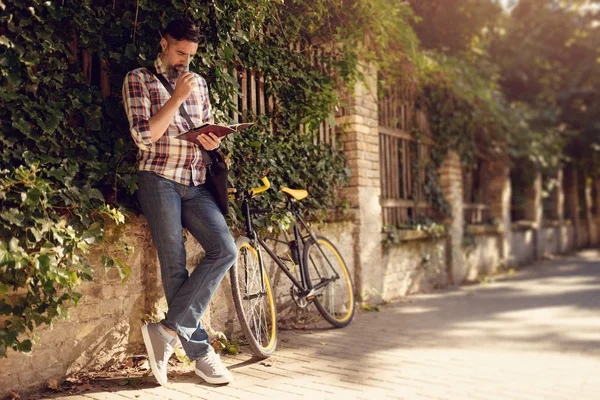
534	335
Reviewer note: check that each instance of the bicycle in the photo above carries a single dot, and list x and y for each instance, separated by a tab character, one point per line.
324	277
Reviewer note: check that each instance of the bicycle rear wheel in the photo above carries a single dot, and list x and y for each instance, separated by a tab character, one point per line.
327	273
253	300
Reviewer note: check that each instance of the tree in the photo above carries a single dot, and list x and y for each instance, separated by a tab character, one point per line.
453	25
547	54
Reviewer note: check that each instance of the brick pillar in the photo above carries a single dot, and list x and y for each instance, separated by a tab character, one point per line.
597	199
571	189
534	211
499	193
589	218
361	146
559	207
596	215
559	200
452	186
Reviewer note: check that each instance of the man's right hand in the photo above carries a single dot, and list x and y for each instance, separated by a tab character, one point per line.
184	86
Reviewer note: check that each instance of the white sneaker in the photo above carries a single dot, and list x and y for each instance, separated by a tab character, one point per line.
159	351
210	368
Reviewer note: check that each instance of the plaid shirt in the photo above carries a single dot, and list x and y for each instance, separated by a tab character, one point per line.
174	159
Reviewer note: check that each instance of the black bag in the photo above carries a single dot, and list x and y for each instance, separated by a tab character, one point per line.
216	167
216	179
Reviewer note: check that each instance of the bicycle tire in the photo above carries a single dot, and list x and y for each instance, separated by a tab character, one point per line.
262	338
316	269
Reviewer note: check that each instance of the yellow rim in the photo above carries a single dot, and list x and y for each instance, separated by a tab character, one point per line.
348	281
269	296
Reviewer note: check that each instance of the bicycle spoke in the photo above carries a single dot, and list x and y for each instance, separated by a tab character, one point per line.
258	325
331	290
329	275
256	309
253	300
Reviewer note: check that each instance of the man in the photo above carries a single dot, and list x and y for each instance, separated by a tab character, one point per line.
173	197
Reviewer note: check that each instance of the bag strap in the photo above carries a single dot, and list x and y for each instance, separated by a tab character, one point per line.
205	156
169	88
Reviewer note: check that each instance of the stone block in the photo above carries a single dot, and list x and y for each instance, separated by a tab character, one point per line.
353	136
372	123
360	128
354	154
373	148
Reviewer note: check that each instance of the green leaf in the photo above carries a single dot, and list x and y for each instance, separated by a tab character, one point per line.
43	264
130	51
95	194
50	122
107	262
5	309
22	126
24	346
93	233
5	256
33	197
14	216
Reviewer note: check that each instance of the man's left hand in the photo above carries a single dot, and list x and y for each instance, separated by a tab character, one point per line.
209	141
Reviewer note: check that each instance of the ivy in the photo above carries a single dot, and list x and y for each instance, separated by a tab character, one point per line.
67	162
45	230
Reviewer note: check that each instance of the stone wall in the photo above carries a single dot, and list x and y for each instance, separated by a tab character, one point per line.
416	265
523	245
482	253
552	241
104	328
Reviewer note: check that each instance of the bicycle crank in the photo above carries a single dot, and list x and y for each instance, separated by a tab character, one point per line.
300	300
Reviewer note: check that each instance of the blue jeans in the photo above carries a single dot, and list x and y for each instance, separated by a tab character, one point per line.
169	207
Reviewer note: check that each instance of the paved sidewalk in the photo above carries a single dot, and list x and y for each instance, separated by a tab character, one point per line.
535	335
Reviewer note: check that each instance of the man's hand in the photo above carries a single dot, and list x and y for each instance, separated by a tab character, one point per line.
184	86
209	141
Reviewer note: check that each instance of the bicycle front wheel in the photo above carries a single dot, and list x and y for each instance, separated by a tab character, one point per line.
253	299
327	273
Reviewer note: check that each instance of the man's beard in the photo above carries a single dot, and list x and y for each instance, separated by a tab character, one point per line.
173	71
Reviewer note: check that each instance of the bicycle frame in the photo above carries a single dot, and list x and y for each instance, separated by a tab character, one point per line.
254	238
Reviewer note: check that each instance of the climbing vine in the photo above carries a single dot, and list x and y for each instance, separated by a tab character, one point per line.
67	163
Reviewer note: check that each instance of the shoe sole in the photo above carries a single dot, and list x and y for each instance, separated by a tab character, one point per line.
153	366
213	381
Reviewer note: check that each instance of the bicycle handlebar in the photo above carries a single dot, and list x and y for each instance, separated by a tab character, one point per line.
266	186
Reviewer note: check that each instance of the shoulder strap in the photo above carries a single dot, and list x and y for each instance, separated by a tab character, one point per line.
182	110
169	88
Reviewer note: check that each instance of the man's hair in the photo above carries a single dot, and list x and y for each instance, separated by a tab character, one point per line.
182	29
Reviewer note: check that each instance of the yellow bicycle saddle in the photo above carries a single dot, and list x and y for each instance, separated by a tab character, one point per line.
298	194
